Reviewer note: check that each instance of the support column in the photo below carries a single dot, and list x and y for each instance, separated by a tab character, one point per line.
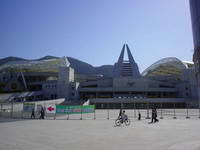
134	110
161	111
55	111
174	111
148	111
11	113
122	106
187	113
94	112
81	113
1	110
22	113
199	113
108	113
198	86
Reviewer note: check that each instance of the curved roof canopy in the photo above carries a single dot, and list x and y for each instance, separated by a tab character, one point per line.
170	66
49	65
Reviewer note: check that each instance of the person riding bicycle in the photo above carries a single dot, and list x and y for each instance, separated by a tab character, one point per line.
123	116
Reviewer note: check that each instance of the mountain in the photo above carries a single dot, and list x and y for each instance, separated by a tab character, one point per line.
106	70
9	59
79	66
47	57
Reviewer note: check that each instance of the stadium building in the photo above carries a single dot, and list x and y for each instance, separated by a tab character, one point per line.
167	82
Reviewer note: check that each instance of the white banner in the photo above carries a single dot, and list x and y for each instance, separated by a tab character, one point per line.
51	109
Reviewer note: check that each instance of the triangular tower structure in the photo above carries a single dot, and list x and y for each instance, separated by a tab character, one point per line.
124	68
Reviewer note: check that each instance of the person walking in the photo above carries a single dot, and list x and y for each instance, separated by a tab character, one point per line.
42	113
155	119
152	115
33	113
139	115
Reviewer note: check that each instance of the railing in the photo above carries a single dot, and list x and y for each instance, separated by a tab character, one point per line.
15	110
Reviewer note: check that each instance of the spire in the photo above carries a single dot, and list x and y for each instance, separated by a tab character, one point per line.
126	68
121	57
130	57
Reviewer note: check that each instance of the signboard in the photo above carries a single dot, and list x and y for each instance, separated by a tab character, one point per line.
51	109
88	109
74	109
28	107
61	109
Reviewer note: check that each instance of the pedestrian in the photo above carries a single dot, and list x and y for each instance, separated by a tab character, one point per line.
33	113
152	115
42	113
155	119
139	116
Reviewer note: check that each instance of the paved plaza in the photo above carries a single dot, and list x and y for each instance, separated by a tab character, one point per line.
100	134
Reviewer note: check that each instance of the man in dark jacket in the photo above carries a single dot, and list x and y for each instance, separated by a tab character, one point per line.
153	115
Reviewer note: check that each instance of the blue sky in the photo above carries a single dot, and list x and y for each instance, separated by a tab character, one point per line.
94	31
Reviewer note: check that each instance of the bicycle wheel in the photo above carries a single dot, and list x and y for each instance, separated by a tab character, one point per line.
117	122
127	122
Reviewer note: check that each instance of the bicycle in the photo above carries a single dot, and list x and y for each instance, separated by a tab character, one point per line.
120	121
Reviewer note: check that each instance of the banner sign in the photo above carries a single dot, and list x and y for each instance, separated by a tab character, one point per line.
88	109
28	107
61	109
75	109
51	109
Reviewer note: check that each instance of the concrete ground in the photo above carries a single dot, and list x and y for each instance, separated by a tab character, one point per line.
100	134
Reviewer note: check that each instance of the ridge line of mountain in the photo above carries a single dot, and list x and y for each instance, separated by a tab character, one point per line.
79	66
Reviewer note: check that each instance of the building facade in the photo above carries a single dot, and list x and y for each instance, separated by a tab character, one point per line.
168	81
195	18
